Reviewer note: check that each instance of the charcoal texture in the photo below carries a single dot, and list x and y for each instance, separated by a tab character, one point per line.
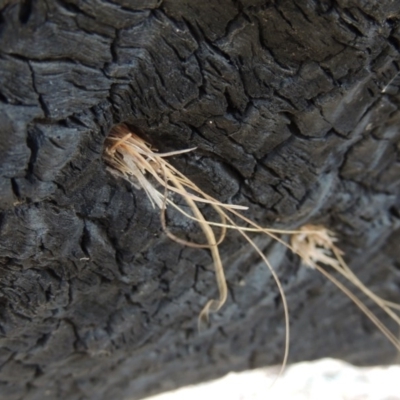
294	109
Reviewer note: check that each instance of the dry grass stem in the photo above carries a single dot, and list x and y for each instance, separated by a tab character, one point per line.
316	246
131	157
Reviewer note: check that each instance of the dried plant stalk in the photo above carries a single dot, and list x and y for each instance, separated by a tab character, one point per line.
316	245
130	157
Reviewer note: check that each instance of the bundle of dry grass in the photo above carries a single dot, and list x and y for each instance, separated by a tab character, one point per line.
130	157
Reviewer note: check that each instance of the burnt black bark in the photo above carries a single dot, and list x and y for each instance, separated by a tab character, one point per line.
294	109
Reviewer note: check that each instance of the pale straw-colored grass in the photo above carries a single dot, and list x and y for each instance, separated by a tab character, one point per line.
129	156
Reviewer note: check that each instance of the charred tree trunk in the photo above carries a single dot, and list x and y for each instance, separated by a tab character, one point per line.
294	109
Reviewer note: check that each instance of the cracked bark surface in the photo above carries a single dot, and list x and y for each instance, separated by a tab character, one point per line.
294	109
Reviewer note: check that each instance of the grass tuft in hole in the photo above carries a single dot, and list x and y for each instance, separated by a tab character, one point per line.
130	157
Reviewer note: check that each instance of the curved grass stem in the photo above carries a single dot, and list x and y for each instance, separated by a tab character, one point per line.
133	158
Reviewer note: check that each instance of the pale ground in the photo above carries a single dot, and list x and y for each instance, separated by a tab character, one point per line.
325	379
